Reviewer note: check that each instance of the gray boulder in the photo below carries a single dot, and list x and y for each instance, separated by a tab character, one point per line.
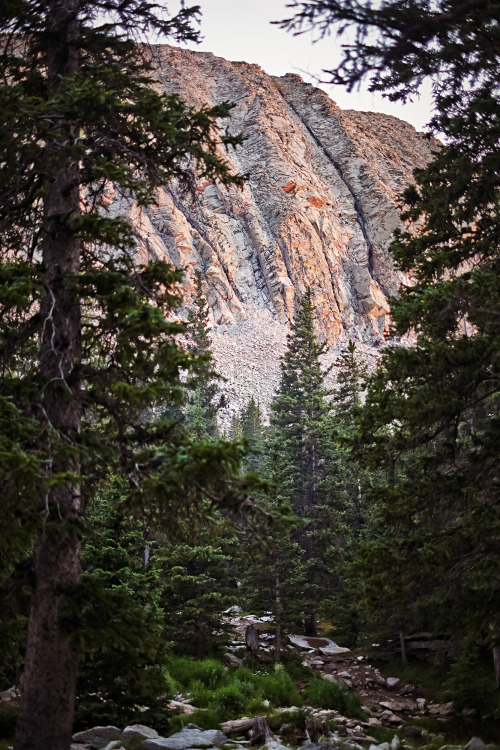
138	731
186	739
475	743
392	682
97	737
232	661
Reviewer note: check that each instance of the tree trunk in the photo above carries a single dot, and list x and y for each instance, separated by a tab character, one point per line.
496	662
277	639
252	639
402	645
47	704
310	624
260	732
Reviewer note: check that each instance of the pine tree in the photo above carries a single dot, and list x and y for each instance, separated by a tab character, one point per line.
253	430
300	452
199	586
86	345
123	644
204	400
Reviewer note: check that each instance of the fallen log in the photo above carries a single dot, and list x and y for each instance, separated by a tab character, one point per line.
237	725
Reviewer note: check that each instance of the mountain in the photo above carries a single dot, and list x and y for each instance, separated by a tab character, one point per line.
318	210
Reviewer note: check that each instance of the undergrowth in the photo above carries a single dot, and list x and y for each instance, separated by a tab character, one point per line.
220	694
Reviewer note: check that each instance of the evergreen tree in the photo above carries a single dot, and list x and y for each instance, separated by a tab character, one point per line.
300	455
86	346
253	430
199	586
204	400
123	643
431	416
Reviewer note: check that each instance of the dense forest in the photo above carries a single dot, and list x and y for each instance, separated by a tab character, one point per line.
135	529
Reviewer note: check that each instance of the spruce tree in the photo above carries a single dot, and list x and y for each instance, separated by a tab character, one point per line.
204	400
123	644
253	430
199	586
86	344
300	452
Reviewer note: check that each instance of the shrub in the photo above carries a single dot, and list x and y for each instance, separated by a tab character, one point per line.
209	672
278	688
229	701
325	694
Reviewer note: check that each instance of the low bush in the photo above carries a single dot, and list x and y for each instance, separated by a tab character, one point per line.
278	688
211	673
325	694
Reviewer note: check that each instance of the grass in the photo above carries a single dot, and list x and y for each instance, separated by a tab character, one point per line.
220	694
324	694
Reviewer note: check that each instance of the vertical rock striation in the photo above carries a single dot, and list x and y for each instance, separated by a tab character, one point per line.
318	210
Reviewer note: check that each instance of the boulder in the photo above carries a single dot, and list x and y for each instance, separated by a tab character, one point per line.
395	743
407	690
114	745
187	738
391	682
97	737
12	694
232	661
183	708
475	743
138	731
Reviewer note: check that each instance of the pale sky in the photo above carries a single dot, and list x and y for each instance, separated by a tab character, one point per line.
241	30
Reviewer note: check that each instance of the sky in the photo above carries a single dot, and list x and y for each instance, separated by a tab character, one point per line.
241	30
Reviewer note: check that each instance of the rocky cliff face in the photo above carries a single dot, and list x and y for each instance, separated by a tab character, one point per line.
318	210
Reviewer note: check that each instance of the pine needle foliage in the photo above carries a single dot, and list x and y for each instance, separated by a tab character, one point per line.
431	416
87	338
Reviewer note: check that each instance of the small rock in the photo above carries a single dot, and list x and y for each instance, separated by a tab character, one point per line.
420	704
395	743
114	745
384	746
407	689
391	682
374	721
393	719
475	743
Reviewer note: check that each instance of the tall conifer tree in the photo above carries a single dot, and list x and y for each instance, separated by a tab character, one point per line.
300	447
86	348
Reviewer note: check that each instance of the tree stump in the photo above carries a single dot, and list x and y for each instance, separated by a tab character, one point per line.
260	732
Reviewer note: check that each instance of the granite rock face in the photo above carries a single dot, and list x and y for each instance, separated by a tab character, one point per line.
318	210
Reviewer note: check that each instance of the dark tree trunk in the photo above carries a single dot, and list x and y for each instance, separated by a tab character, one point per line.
260	732
310	624
402	645
277	639
252	639
47	704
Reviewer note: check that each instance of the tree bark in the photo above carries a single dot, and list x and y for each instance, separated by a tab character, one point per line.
277	638
402	644
47	704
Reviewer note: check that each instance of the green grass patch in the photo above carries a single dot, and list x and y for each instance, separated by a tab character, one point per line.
325	694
